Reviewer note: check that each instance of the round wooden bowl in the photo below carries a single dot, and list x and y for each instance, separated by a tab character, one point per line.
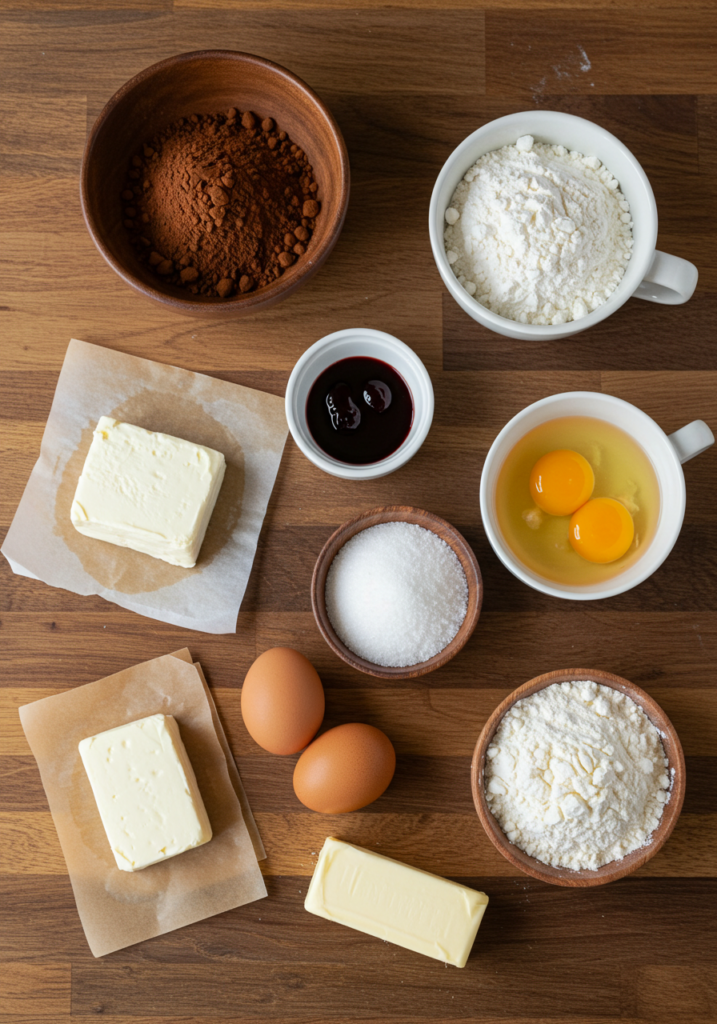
397	514
617	868
207	82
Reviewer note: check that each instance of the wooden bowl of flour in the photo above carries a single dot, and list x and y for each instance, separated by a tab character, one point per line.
614	869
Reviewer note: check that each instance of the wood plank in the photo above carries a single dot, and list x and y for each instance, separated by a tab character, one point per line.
44	988
304	990
51	131
568	634
638	334
646	920
421	722
546	51
445	844
694	989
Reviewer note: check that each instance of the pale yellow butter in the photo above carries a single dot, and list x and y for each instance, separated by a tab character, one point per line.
395	902
150	492
146	791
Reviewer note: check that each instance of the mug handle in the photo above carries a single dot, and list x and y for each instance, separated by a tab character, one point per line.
692	439
670	280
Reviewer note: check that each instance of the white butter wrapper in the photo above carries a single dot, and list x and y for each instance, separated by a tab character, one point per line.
248	427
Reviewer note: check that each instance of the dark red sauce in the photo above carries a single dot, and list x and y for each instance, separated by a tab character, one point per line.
359	410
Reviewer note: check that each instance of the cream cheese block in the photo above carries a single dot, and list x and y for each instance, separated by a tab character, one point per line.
395	902
150	492
146	791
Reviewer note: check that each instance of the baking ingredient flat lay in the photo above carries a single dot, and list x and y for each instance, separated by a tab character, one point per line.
146	791
282	701
396	594
537	233
147	491
220	203
576	775
359	410
395	902
577	500
345	769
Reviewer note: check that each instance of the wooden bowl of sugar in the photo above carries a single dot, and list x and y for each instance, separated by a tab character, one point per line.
616	868
445	532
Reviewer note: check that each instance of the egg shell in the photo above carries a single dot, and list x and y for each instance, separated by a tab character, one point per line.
282	701
344	769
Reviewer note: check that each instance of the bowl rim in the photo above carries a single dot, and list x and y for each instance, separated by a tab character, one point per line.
390	514
504	325
251	301
616	584
419	428
615	869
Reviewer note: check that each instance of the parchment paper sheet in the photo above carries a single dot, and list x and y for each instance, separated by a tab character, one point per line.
248	426
118	908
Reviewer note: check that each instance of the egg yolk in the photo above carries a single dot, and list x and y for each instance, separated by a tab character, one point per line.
561	481
602	530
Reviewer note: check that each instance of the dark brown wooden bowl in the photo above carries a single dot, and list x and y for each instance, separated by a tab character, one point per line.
206	82
617	868
397	514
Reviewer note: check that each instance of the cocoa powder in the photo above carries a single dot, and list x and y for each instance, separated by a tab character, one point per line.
220	203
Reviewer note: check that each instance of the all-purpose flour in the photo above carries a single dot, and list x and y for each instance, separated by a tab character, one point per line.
538	234
576	775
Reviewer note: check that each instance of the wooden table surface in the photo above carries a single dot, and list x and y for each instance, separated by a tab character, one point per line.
406	84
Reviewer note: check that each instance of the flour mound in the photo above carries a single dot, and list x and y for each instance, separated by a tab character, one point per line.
576	775
538	234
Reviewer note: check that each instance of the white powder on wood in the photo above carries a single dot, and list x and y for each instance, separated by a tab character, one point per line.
396	594
576	775
538	234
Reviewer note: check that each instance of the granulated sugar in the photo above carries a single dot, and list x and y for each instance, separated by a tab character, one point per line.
396	594
576	775
538	234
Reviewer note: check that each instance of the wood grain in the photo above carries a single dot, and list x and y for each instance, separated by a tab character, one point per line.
406	83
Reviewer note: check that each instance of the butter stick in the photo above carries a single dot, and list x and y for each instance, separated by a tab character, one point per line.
146	791
395	902
150	492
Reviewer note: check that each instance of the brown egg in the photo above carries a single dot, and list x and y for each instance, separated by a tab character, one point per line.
282	701
345	769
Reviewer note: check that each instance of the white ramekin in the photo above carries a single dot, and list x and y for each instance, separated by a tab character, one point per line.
666	453
650	274
359	341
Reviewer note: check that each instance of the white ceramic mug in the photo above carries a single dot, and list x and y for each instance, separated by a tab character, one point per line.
666	453
649	274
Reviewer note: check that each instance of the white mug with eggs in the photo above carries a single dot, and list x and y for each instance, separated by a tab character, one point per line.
649	274
665	452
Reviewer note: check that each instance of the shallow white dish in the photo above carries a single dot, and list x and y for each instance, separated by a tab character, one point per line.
359	341
650	274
